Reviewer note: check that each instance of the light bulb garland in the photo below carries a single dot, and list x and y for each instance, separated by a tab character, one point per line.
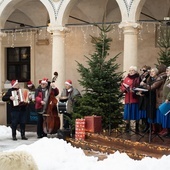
109	145
27	33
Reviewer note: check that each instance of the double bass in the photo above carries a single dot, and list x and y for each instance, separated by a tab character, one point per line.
51	120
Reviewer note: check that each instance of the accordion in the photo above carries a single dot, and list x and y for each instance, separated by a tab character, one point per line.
20	96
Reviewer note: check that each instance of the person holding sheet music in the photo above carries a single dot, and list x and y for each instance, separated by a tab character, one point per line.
154	85
18	112
165	118
159	95
142	97
131	111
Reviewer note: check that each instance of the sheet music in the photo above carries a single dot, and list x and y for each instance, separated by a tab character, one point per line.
140	89
126	85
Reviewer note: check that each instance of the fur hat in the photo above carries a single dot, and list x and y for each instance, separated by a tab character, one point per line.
14	82
68	82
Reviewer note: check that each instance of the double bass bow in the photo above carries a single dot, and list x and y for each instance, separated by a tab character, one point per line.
51	120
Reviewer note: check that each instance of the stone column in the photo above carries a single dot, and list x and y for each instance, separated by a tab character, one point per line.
58	53
130	44
1	60
3	115
58	57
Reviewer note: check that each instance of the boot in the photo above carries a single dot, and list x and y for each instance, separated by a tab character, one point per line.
24	138
14	134
127	128
168	134
146	128
23	135
156	128
137	127
22	127
164	132
14	138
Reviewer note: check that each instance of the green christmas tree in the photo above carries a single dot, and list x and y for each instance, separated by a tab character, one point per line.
101	81
164	45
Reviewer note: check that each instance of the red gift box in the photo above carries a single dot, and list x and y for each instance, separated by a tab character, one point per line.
93	124
80	129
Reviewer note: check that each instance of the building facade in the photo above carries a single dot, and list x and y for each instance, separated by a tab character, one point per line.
39	37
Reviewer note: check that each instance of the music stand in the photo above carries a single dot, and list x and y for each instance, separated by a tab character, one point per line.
150	123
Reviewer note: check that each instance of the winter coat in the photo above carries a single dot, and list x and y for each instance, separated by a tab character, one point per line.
154	95
166	90
159	91
6	98
41	95
132	81
72	95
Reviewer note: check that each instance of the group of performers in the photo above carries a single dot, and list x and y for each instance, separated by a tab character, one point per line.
144	95
36	101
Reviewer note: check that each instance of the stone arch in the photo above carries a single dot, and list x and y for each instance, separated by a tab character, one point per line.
51	9
64	11
130	11
7	9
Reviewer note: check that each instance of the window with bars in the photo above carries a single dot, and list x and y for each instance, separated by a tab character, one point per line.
18	63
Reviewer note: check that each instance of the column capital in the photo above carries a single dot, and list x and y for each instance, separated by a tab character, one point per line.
54	28
129	24
2	34
130	27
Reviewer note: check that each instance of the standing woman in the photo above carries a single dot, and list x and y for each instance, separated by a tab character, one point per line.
131	111
154	82
165	119
142	97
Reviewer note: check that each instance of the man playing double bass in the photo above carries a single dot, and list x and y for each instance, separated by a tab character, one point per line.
41	97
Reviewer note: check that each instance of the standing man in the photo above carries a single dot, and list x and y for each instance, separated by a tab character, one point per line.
71	93
41	99
18	112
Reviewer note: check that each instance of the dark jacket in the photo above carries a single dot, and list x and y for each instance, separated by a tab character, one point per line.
41	95
71	98
6	98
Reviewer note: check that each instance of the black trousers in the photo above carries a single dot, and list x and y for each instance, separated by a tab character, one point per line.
18	117
40	132
67	120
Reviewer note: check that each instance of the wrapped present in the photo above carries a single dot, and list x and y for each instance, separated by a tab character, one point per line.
80	129
93	124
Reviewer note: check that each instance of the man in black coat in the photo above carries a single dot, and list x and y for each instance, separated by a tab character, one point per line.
18	112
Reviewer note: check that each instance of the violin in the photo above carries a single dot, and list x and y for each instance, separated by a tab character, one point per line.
51	120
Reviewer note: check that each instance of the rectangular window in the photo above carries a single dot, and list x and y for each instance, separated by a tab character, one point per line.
18	63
